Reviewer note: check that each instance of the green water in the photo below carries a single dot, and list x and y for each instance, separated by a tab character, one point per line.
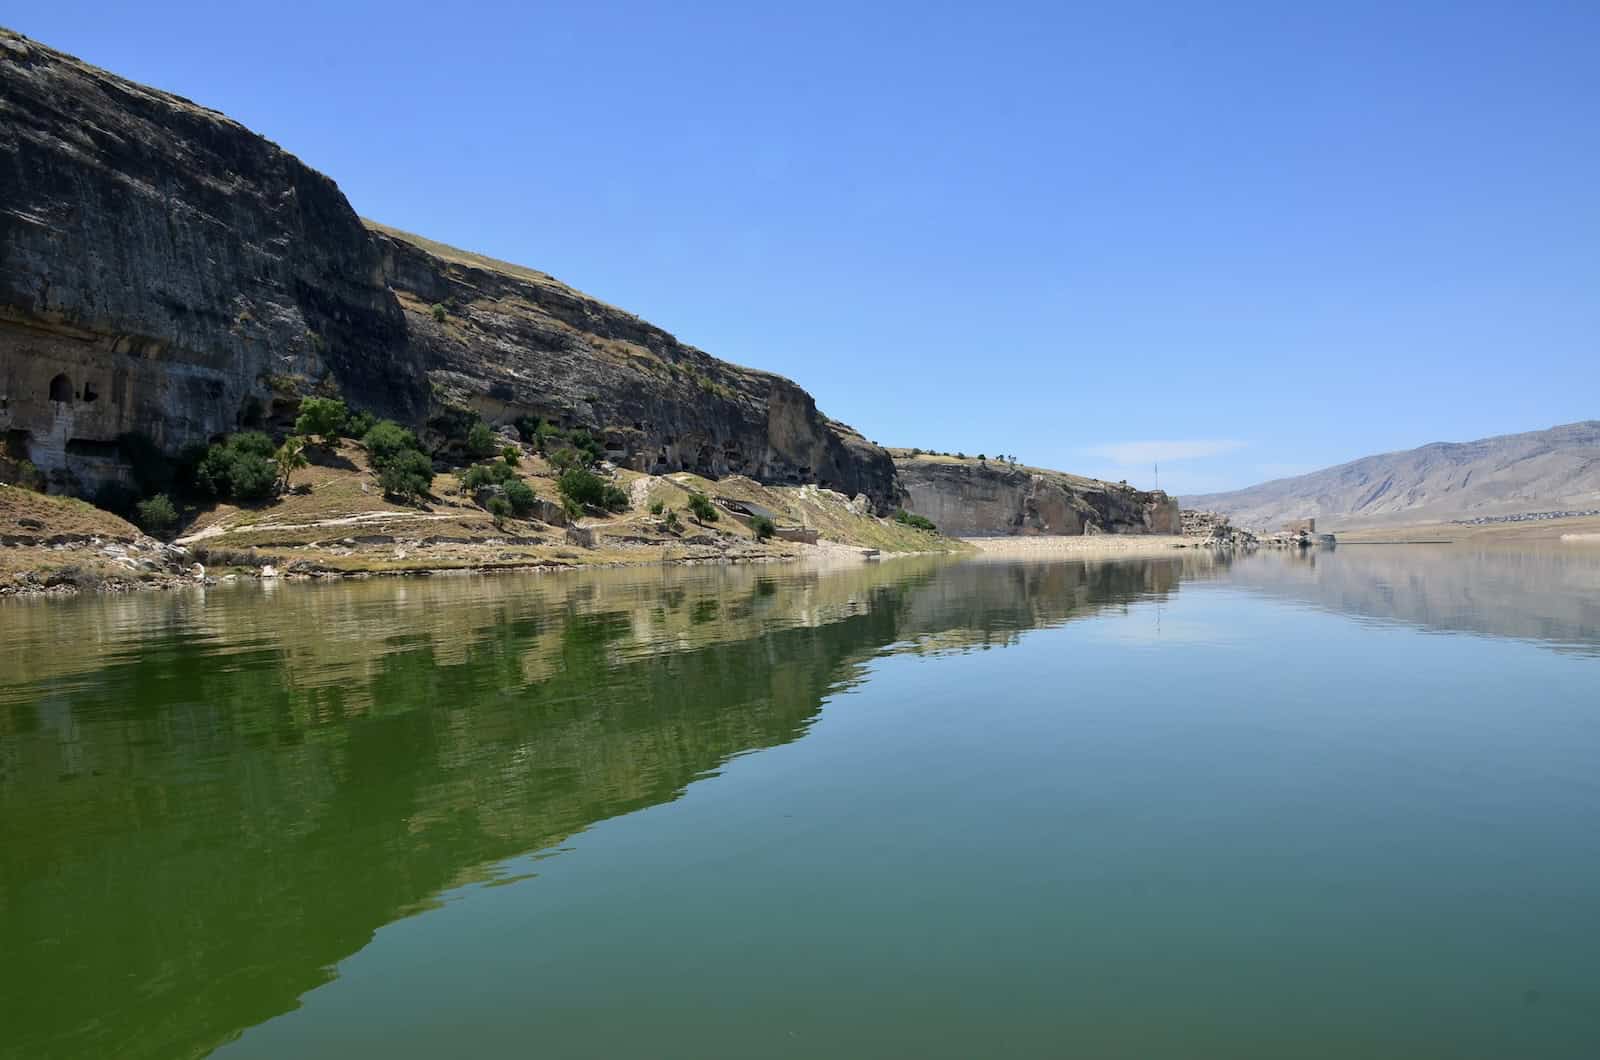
1344	805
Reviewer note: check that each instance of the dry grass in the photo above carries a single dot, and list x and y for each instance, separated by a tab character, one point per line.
1486	534
57	515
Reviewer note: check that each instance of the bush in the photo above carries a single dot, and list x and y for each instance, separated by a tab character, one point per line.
480	440
701	508
764	528
357	424
406	475
479	475
157	515
673	524
920	522
582	487
499	508
520	496
657	507
614	499
323	418
511	455
241	468
386	439
438	312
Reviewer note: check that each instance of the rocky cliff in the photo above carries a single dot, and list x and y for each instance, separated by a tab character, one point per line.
970	497
506	341
167	271
163	270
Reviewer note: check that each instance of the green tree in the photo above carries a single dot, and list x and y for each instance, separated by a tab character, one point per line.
702	509
438	312
582	487
499	509
764	528
520	496
289	458
511	455
323	418
388	439
157	515
241	467
357	424
407	475
480	440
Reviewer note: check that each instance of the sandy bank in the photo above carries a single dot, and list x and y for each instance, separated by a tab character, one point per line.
1044	546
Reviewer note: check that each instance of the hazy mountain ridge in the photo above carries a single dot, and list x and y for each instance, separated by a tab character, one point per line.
1558	468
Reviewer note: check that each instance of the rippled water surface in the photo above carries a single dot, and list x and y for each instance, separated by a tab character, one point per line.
1338	805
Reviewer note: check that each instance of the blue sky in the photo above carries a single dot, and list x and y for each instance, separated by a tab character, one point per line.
1244	239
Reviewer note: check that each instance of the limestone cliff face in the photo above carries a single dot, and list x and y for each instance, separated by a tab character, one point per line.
971	498
166	271
514	342
161	266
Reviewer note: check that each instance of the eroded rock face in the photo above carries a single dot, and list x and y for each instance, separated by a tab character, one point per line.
514	342
165	270
973	499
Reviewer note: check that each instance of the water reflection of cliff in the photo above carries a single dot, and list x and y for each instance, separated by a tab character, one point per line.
1551	595
207	802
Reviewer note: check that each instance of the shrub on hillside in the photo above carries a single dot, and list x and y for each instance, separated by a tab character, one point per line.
701	508
357	424
520	496
920	522
407	475
323	418
481	440
387	438
240	468
582	487
404	471
499	509
764	528
157	515
477	476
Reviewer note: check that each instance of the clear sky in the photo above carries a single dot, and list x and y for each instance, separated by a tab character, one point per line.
1244	239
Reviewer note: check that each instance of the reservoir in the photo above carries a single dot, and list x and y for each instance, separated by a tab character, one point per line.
1319	805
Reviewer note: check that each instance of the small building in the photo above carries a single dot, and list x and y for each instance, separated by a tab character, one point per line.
1300	526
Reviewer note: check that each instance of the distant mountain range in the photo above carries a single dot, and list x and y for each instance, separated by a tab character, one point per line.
1548	470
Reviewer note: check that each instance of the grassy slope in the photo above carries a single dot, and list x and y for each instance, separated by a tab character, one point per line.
343	523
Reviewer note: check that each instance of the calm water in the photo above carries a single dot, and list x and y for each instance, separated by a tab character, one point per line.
1346	805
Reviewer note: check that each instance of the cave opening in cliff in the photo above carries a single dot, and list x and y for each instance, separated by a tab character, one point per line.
89	392
61	389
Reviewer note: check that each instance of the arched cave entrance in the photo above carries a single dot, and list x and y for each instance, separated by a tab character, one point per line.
61	389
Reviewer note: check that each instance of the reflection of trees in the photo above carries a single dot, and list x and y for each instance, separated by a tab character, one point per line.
208	803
